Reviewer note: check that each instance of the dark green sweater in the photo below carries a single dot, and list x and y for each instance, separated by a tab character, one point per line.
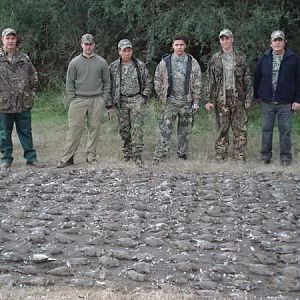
88	77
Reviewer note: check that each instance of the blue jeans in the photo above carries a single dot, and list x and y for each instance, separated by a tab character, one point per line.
284	117
23	126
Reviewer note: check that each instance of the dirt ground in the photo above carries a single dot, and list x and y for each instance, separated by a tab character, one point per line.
170	232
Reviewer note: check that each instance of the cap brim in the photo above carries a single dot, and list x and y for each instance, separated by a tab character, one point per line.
8	33
277	37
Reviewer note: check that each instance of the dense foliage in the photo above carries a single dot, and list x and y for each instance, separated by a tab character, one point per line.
51	29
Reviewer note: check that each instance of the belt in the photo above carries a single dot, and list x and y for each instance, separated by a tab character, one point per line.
88	96
130	96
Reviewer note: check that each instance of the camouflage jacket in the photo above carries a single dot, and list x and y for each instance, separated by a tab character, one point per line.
115	80
214	92
18	80
161	82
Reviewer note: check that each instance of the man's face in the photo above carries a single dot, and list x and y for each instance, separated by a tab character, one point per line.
88	48
125	54
9	42
226	43
278	45
179	47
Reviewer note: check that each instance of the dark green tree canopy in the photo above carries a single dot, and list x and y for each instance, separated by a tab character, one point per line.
50	30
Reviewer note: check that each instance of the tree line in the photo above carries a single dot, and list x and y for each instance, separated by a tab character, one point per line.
50	30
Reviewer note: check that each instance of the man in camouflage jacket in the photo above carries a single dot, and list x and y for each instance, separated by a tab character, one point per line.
18	80
177	82
229	91
131	86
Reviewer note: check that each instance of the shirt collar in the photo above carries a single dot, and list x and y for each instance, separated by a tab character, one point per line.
88	56
6	53
180	58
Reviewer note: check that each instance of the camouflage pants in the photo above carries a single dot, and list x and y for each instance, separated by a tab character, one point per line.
232	114
131	122
169	115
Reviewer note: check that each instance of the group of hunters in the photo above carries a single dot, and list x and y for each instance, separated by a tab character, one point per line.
93	88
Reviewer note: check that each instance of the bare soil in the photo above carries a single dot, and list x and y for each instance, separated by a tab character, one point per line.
193	230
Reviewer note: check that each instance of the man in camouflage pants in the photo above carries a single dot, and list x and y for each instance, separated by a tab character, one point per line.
131	86
177	83
18	80
229	91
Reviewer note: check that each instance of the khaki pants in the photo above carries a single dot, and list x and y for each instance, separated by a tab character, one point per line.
84	111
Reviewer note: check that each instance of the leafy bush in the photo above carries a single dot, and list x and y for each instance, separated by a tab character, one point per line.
50	30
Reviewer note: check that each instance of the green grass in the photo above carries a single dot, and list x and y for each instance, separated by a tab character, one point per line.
50	107
50	126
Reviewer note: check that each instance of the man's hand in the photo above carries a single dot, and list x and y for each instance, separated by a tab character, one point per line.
248	104
110	112
295	106
209	106
195	108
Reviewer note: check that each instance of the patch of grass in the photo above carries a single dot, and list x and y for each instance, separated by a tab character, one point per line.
50	126
50	107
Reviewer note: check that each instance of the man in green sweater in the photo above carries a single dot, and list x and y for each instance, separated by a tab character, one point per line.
87	87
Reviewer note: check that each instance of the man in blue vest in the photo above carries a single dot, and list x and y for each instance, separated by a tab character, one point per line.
177	82
277	85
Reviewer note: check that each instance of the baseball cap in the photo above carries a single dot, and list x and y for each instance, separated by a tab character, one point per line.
124	44
277	34
87	38
8	31
226	32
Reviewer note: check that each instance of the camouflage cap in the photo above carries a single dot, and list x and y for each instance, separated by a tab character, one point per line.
87	38
226	32
8	31
277	34
124	44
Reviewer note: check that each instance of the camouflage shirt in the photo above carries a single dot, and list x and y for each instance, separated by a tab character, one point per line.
130	82
276	62
161	83
228	65
179	65
115	69
215	85
18	80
